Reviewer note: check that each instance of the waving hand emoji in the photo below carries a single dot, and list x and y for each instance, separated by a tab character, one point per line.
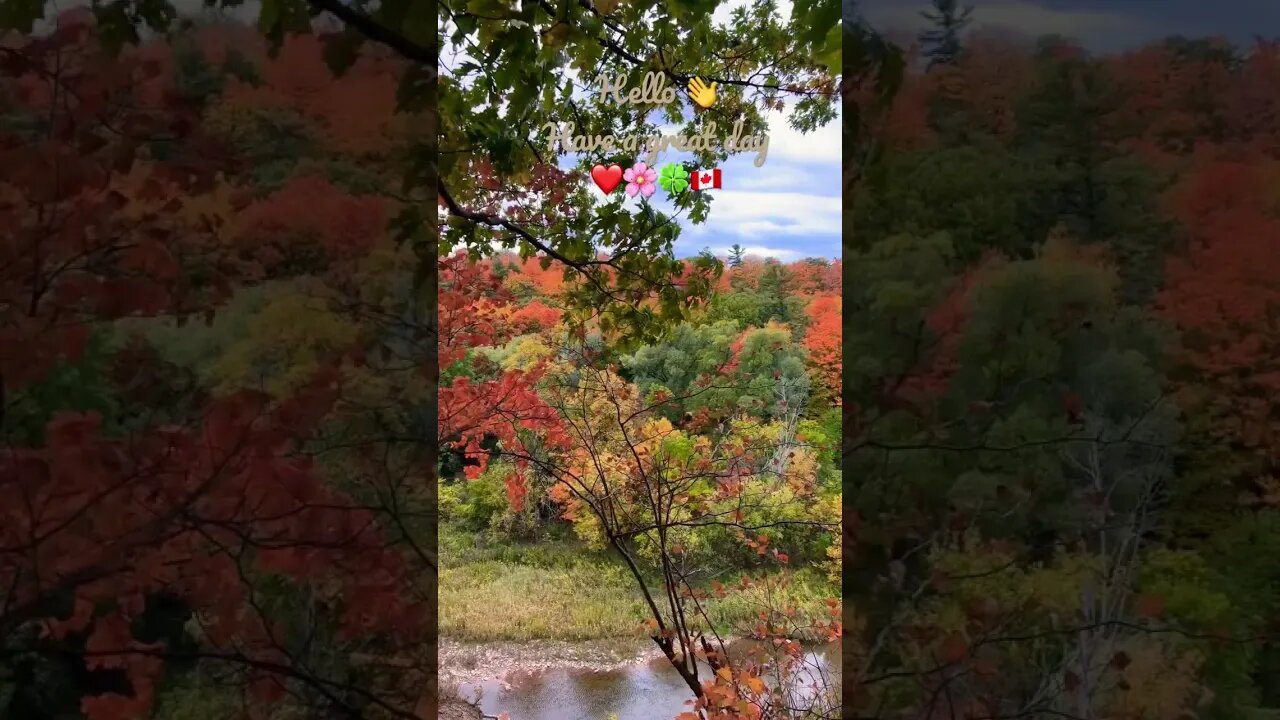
702	95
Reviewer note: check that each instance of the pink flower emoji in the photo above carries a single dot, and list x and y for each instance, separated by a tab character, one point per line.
640	179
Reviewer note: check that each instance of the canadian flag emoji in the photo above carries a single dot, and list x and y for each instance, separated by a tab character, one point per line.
704	179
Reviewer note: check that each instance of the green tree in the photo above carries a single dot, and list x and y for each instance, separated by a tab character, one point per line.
735	255
874	69
197	79
692	352
1098	193
770	373
745	307
1036	423
774	291
236	64
985	196
942	43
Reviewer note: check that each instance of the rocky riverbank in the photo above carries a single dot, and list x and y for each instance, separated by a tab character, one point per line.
456	709
481	662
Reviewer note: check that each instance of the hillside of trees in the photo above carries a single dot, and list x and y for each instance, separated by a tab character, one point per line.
694	481
238	350
213	492
1061	389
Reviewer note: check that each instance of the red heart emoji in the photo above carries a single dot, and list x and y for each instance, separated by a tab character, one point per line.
606	179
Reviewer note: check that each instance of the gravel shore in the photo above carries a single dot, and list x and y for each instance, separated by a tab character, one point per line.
481	662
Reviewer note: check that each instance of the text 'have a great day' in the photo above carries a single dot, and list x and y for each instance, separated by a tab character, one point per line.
651	91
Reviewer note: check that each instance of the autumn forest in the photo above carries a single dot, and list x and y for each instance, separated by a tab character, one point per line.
1061	324
287	437
329	391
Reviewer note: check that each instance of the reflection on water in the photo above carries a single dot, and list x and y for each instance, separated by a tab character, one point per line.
646	691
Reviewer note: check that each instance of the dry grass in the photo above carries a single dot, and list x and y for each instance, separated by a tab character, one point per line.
558	590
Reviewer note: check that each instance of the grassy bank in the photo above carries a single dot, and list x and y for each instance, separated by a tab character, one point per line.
560	590
553	590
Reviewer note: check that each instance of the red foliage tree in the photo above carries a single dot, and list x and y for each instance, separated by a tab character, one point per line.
355	113
191	513
833	278
307	221
1174	98
535	317
548	280
747	275
1223	292
823	340
1253	110
806	277
90	228
989	77
104	215
473	308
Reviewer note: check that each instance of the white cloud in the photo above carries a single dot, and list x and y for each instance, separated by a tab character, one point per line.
751	214
760	251
786	143
583	88
777	176
1034	19
1027	18
724	12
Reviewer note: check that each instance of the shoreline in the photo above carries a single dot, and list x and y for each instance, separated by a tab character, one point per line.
473	662
467	668
463	662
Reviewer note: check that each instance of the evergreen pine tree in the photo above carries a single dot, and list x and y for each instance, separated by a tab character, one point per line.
735	255
773	291
941	44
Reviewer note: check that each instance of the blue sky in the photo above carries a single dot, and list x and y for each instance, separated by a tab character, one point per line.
788	208
1101	25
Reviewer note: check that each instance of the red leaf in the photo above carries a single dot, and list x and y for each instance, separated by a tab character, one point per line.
955	648
69	431
1070	681
1150	606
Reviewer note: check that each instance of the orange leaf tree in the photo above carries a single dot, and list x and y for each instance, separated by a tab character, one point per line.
243	535
630	481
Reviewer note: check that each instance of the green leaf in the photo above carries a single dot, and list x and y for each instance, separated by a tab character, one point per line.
20	15
420	23
816	17
115	26
415	89
342	49
524	93
269	16
466	25
831	54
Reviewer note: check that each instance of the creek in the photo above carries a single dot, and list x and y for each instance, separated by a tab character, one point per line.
648	689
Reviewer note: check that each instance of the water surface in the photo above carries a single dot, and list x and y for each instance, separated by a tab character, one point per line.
650	690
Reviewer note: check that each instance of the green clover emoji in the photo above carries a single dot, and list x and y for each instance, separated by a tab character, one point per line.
673	178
